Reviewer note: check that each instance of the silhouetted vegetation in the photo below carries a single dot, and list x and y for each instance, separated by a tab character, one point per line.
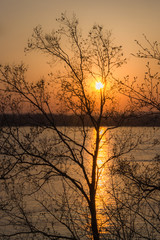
135	120
52	183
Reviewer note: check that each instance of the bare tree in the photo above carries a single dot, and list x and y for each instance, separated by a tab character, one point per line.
49	168
51	176
135	182
144	93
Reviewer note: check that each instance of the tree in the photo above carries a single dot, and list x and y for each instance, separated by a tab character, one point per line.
144	93
46	165
51	176
135	184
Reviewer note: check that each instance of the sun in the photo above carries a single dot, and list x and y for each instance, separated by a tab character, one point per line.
99	85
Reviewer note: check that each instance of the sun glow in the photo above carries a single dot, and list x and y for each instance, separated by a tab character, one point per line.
99	85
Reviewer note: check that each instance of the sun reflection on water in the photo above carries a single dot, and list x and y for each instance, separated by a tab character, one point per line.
103	196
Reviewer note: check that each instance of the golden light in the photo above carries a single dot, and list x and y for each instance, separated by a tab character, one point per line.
99	85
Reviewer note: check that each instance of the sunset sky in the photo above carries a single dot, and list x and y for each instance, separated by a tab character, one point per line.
127	20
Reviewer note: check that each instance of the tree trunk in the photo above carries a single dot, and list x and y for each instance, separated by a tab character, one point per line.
94	224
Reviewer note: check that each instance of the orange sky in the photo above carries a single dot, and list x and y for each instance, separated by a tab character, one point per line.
127	20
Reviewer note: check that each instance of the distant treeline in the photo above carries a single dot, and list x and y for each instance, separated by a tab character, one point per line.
72	120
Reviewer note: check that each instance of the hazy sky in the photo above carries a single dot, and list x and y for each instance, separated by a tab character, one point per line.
127	19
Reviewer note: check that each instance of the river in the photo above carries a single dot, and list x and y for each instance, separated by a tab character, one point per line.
124	209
